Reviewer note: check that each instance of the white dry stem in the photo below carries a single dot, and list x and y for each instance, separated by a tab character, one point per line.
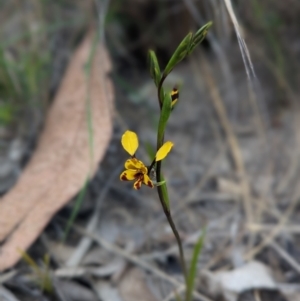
243	47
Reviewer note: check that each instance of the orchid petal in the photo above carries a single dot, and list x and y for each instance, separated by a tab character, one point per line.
128	175
147	181
130	142
137	185
164	150
136	164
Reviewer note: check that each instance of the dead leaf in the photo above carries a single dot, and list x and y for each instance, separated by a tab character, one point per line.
62	160
103	271
253	275
291	293
109	269
229	187
105	291
134	288
60	252
71	290
71	272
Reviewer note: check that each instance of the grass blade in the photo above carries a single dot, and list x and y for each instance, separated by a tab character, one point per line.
154	67
193	267
76	209
179	54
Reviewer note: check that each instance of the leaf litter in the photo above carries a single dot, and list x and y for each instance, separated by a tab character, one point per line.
217	205
61	161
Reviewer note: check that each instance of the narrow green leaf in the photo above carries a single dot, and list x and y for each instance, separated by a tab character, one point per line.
29	260
46	284
163	119
75	210
193	267
46	260
199	36
41	276
162	93
180	53
154	67
88	70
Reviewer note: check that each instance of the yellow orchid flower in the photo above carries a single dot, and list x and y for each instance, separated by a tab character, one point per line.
174	96
136	170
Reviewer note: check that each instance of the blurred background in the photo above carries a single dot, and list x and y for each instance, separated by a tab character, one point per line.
235	164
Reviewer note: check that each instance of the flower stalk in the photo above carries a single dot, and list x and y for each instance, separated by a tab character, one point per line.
137	171
161	195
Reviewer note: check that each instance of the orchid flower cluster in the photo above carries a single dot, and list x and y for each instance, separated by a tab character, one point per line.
137	171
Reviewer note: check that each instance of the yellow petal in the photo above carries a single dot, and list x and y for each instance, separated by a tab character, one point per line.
128	175
135	164
163	151
173	103
147	181
130	142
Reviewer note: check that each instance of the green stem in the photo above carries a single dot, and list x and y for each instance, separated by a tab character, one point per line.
159	90
173	227
161	197
151	166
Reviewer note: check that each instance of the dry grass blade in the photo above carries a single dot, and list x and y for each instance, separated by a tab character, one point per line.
216	46
243	47
276	229
294	229
287	257
62	160
231	139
